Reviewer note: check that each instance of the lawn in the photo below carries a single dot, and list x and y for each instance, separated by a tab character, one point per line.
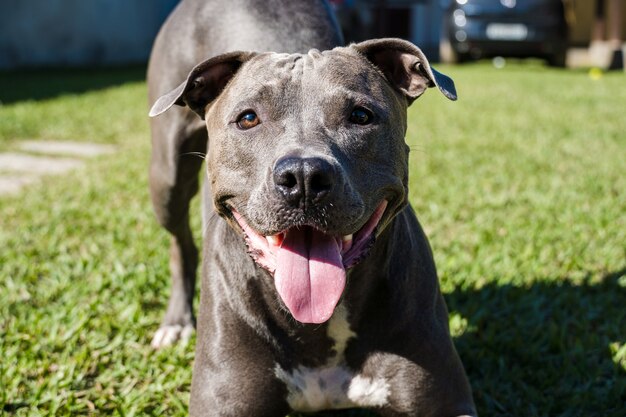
521	186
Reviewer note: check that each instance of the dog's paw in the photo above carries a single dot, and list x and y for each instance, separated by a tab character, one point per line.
172	333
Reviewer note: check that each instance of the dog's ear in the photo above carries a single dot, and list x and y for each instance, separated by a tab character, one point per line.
204	83
406	67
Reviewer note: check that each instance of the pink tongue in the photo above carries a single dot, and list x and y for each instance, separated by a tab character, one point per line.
309	276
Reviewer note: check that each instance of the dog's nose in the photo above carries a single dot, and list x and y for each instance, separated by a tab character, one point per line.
303	180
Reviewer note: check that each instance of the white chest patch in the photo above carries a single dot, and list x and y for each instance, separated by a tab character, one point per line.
333	386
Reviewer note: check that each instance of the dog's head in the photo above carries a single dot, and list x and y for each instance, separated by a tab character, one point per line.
307	157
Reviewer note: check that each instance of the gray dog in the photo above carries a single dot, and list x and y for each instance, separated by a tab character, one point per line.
319	290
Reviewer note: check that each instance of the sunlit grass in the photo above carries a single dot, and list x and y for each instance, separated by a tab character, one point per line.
520	185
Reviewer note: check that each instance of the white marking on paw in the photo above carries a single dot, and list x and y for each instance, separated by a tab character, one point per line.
370	392
168	335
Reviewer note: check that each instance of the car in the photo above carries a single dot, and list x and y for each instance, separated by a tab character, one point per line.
475	29
367	19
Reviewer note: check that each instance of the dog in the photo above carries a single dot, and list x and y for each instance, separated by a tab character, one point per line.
319	290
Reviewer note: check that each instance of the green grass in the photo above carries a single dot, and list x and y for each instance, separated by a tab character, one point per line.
78	105
520	185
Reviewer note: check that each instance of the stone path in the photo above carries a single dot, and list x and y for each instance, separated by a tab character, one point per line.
34	159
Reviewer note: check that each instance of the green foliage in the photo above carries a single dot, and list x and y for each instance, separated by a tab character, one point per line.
520	186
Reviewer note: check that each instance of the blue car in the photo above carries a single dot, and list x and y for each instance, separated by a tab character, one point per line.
511	28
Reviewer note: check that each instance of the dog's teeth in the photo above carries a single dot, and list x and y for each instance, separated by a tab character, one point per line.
273	240
347	243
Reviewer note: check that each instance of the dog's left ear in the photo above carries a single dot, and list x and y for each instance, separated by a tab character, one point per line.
204	83
405	66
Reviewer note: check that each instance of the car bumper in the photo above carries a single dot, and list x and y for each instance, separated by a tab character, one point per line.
507	37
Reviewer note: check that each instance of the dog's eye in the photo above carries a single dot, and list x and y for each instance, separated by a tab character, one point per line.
361	116
248	120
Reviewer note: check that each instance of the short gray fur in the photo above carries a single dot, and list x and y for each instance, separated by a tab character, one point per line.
392	298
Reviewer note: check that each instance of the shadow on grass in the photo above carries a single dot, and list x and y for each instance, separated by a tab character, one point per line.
41	84
546	349
542	350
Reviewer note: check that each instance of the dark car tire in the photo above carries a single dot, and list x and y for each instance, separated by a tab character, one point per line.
558	59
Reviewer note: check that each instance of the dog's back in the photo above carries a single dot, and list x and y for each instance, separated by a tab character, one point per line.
199	29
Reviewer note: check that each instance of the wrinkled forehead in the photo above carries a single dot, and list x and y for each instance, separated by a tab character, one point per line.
315	70
291	67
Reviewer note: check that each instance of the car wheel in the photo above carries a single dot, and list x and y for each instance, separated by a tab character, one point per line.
558	59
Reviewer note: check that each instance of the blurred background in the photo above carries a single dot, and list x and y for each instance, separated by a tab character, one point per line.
573	33
519	184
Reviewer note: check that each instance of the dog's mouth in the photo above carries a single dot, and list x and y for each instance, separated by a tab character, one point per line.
308	265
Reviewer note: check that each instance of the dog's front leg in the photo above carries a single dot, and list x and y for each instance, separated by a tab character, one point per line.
237	391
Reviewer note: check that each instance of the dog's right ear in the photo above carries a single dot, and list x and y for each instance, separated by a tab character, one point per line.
204	83
405	66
